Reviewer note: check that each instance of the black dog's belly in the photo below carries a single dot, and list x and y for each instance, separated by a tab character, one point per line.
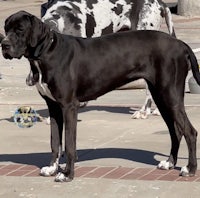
97	89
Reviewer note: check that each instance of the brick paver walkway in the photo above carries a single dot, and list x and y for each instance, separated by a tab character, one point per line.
149	174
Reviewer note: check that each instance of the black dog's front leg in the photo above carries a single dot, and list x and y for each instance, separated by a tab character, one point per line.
33	76
70	120
56	117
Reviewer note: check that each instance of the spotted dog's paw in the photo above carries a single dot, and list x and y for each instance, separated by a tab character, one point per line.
156	112
49	170
140	115
48	121
61	177
165	165
143	114
83	104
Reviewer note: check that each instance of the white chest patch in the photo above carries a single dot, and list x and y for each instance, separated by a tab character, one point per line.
41	86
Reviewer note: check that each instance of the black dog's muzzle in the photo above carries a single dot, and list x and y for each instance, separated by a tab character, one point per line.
5	44
1	37
6	47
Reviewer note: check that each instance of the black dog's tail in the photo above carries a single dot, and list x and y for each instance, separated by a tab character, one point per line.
194	64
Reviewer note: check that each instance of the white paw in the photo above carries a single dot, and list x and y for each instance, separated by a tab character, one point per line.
48	121
165	165
83	104
184	171
49	170
60	177
156	112
139	115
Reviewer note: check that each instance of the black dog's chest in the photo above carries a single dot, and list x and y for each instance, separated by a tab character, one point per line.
41	86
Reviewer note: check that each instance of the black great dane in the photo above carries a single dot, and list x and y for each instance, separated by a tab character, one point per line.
68	70
93	18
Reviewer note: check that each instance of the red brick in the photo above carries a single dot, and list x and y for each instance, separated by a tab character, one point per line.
99	172
169	177
150	177
4	171
1	166
12	166
118	173
160	172
188	179
83	170
18	173
137	173
28	167
35	173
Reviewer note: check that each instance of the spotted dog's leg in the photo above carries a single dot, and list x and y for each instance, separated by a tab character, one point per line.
56	117
145	111
168	20
150	18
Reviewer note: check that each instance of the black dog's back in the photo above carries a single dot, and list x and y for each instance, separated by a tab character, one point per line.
117	59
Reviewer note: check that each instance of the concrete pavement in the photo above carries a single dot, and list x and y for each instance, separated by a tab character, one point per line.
107	137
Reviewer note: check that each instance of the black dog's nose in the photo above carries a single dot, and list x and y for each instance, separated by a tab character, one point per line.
5	44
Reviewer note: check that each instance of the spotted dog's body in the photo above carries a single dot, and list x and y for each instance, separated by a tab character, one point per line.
93	18
145	54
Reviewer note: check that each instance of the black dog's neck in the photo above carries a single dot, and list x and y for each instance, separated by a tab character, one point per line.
43	45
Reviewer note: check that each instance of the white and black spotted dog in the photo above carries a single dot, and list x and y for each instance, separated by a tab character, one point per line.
93	18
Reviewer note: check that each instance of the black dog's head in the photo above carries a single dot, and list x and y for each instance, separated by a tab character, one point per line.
23	33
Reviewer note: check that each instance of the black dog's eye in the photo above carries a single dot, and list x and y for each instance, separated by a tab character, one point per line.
20	29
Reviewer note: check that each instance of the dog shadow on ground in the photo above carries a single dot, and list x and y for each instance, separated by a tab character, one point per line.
11	119
44	113
110	109
43	159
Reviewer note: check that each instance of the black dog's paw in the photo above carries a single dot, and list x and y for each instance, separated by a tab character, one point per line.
31	79
61	177
185	172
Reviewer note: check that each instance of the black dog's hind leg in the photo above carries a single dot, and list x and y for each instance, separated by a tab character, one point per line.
190	135
70	120
171	106
56	118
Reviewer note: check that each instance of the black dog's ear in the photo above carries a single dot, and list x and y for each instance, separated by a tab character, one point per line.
35	31
38	31
1	37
